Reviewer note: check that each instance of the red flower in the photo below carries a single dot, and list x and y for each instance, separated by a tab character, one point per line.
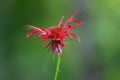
56	35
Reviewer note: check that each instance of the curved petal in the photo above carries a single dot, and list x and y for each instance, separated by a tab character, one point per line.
35	31
74	35
60	23
78	22
70	18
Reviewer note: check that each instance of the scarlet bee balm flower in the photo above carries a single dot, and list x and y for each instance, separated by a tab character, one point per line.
56	35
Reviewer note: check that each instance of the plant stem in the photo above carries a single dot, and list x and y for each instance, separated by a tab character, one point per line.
57	67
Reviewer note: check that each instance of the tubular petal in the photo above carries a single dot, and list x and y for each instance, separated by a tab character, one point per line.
70	18
35	28
77	37
78	22
60	23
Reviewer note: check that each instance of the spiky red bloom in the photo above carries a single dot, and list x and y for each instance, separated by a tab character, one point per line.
56	34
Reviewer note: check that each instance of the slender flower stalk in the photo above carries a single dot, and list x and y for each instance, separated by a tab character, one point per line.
57	68
54	37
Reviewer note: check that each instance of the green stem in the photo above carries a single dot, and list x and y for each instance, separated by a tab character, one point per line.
57	68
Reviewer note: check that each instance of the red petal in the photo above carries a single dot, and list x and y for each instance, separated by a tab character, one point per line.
75	35
78	22
35	30
60	23
62	43
31	34
70	18
70	27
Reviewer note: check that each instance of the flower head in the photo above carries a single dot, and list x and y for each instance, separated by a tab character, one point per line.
56	35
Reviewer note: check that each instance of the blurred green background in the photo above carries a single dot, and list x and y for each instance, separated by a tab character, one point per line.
96	57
